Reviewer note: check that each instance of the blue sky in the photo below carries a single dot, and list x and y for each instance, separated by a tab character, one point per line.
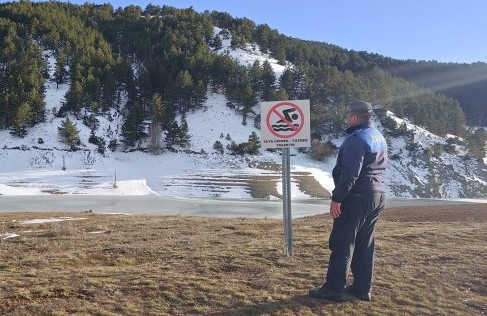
443	30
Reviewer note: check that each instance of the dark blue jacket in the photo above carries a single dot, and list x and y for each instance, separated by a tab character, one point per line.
361	161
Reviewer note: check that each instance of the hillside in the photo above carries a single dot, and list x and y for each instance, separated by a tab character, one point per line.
148	94
420	167
163	60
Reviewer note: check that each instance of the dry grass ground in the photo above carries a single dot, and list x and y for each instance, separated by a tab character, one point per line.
430	260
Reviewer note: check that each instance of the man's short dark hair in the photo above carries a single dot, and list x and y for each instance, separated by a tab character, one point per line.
362	109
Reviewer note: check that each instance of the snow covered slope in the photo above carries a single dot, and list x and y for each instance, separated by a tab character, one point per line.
40	164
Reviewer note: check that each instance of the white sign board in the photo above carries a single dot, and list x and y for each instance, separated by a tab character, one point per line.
285	124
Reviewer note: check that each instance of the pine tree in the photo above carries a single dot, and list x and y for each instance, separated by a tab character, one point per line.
22	119
28	82
253	144
222	66
108	91
183	90
286	80
132	129
73	98
69	135
60	72
172	133
156	109
476	143
184	137
217	43
255	75
280	95
298	84
248	99
268	81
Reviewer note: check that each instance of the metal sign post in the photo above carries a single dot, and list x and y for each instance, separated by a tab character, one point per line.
285	124
286	201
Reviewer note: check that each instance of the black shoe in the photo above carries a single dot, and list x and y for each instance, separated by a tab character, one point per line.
325	294
361	296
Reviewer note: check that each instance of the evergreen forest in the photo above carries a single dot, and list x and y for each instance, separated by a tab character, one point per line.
154	63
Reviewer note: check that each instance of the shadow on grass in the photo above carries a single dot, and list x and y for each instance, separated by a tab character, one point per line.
292	304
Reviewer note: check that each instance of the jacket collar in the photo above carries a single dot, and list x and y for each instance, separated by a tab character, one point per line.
352	129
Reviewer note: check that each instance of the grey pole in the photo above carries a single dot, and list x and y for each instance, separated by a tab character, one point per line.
286	201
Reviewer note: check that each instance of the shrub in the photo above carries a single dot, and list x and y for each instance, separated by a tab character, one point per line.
321	150
113	145
218	146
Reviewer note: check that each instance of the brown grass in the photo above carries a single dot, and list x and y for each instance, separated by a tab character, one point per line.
430	260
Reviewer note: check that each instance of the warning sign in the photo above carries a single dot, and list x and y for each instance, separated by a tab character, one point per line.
285	124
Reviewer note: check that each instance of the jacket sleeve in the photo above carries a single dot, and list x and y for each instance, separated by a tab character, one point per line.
351	165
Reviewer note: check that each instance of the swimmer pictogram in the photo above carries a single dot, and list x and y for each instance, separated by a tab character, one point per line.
282	125
285	120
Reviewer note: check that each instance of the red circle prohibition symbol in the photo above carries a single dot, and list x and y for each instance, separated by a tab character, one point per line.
284	120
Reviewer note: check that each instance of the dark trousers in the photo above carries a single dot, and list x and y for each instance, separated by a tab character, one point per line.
352	242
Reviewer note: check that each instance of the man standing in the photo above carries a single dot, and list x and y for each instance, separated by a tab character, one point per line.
357	201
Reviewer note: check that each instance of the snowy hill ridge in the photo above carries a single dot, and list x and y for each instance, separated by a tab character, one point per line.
41	164
421	167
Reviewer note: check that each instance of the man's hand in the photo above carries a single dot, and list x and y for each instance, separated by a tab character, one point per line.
335	210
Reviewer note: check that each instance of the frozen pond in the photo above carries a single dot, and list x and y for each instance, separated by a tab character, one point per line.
159	205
